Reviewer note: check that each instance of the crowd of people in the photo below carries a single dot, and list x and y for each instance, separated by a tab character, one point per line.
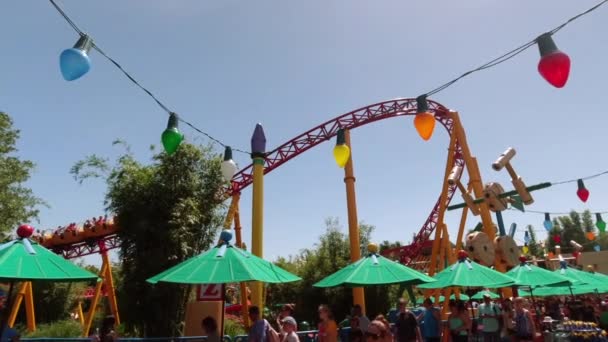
511	319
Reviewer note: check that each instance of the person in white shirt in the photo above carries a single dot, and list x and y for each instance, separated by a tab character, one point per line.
490	318
357	312
289	327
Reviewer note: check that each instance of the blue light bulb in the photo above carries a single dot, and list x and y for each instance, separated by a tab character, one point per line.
548	224
526	237
75	62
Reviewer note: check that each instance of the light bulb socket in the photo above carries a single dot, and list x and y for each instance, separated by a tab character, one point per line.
547	217
580	184
173	121
421	104
340	137
84	43
546	45
598	217
227	153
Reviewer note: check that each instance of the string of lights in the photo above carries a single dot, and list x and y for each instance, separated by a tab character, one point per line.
560	212
507	56
137	83
554	66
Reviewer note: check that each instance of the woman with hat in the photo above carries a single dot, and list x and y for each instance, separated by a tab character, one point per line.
286	311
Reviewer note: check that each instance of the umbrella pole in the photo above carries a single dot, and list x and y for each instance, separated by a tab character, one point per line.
8	305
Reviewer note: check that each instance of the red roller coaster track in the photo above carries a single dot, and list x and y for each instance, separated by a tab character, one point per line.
301	144
351	120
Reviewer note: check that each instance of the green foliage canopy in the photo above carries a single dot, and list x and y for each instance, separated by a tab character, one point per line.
17	202
168	210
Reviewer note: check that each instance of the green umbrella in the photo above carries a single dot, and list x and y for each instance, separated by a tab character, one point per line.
224	264
25	260
462	296
441	299
582	283
578	277
479	295
564	291
466	273
374	269
531	275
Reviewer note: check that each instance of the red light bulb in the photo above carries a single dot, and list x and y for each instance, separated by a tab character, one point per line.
557	239
462	254
554	65
582	192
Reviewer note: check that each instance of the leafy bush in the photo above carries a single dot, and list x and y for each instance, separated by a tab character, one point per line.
66	328
234	326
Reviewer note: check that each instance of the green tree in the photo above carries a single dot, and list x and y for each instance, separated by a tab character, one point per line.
330	254
535	248
169	211
18	201
571	227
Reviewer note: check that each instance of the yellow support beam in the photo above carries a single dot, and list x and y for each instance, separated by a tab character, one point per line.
109	282
88	321
353	221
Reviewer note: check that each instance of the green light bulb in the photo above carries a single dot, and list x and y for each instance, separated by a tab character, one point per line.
599	223
171	137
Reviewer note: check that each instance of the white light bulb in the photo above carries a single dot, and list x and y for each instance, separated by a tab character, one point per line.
228	169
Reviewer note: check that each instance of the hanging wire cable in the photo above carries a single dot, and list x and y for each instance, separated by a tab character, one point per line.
503	58
557	212
584	178
134	81
507	56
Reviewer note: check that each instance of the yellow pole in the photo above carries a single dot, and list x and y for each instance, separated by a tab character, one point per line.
239	243
474	175
29	307
15	309
258	153
442	207
89	317
476	183
461	227
109	281
353	223
80	313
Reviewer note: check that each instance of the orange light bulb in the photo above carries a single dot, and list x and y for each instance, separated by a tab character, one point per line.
425	124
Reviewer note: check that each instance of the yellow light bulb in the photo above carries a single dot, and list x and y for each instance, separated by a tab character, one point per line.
425	124
525	249
341	154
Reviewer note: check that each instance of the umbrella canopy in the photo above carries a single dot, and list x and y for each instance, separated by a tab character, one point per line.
374	269
441	299
462	296
578	277
531	275
224	264
468	273
479	295
25	260
564	290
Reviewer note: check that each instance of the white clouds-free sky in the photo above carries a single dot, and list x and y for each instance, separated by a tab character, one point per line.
226	65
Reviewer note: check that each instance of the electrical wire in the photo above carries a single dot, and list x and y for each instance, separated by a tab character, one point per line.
584	178
501	59
557	212
507	56
134	81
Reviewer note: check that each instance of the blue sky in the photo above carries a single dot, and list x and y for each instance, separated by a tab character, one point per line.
226	65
